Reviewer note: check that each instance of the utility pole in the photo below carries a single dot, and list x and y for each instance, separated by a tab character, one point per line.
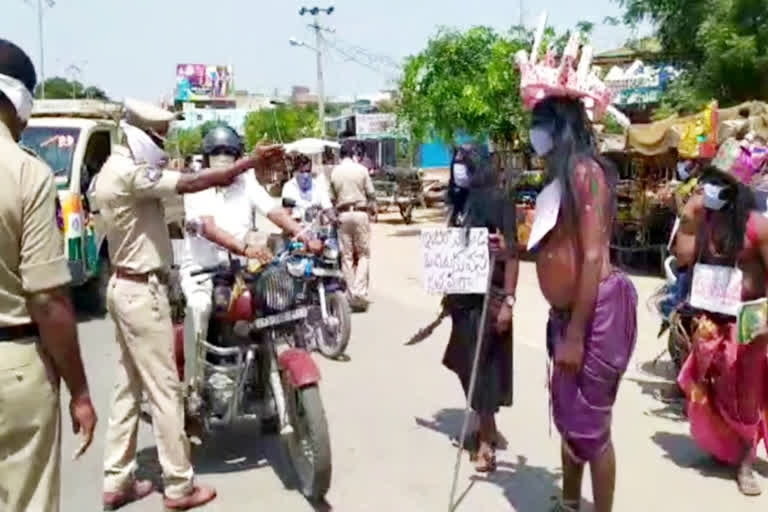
315	12
76	73
50	3
522	6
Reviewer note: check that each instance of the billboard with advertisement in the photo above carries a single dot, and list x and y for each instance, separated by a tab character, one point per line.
369	125
201	82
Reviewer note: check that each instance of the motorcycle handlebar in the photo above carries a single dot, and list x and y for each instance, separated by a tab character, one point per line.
207	270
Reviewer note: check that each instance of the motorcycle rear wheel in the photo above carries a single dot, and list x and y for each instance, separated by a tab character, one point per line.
309	445
338	307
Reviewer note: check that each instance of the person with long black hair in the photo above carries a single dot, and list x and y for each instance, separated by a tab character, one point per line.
592	327
477	202
724	376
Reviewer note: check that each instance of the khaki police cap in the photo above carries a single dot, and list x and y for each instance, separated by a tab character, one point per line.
146	115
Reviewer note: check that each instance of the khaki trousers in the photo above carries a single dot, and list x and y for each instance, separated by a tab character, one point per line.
355	240
145	335
30	429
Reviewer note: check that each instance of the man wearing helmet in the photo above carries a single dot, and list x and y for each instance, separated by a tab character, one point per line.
222	218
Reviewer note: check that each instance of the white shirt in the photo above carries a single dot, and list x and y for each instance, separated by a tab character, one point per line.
317	195
232	208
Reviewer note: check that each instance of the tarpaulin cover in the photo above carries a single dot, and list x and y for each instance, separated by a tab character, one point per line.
662	136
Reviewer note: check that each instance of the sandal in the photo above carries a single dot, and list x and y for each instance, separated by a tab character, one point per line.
486	462
748	484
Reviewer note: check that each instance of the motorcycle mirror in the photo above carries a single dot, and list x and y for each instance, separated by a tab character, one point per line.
288	202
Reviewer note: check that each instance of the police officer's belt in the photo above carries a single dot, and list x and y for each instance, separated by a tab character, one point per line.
351	208
16	332
123	273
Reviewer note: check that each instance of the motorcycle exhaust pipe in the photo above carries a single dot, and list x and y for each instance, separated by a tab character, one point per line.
235	406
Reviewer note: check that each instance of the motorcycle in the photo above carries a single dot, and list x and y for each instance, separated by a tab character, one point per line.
329	325
675	313
252	365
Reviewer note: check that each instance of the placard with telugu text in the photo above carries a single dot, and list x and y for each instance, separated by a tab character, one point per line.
456	260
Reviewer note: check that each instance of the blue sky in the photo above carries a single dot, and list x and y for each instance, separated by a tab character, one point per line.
130	48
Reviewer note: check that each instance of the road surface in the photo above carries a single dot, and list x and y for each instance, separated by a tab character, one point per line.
391	410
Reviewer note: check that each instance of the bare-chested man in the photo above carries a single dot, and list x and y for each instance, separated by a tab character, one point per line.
724	380
592	327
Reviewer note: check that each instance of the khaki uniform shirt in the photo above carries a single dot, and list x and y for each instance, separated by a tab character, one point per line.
31	243
351	184
130	198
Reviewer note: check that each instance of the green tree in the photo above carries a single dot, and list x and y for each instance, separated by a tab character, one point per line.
185	142
467	82
284	123
58	88
464	82
722	44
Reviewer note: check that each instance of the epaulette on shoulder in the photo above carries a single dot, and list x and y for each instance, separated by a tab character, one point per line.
29	151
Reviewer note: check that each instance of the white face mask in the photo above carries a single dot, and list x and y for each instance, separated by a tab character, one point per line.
712	199
221	161
143	148
18	95
541	141
461	175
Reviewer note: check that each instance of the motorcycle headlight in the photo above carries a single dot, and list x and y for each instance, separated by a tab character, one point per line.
296	267
331	253
275	289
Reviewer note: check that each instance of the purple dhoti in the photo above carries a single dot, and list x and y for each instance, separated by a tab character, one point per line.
582	403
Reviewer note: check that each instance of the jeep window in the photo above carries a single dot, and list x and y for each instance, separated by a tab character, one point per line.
54	145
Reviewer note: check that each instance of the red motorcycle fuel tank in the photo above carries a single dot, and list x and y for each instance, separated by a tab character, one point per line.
241	308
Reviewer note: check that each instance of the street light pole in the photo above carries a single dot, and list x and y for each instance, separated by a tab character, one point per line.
320	82
315	12
76	72
42	46
50	3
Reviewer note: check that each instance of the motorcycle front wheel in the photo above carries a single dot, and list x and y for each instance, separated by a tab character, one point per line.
332	343
309	445
678	343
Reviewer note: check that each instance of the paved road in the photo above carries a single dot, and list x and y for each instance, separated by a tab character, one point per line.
391	410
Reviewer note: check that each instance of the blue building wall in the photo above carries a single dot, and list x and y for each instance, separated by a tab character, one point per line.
436	153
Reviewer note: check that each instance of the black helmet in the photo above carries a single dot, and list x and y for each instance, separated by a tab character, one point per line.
222	137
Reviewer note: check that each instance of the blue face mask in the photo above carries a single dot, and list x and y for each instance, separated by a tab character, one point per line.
304	179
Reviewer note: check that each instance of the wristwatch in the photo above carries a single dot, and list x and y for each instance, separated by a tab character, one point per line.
510	301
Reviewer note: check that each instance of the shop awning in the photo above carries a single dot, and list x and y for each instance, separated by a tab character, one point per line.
311	146
662	136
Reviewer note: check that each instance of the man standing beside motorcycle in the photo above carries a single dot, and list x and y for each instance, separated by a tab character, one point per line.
304	189
222	218
355	199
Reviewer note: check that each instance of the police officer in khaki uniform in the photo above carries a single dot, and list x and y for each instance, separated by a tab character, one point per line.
128	192
38	331
354	197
